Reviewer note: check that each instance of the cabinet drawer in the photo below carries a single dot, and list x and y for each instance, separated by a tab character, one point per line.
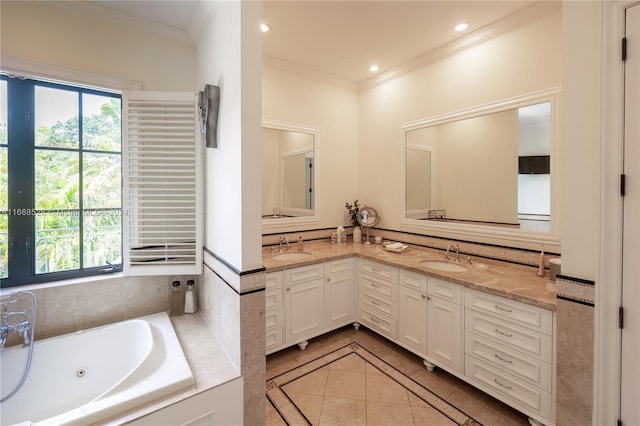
304	273
273	280
445	290
273	299
377	302
413	280
508	388
382	287
273	337
379	270
536	372
530	316
274	317
378	323
519	338
339	267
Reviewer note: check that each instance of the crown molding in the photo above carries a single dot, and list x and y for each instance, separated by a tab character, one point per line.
39	70
307	72
496	29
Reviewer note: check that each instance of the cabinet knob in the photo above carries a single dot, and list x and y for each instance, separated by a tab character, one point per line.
328	279
288	288
424	296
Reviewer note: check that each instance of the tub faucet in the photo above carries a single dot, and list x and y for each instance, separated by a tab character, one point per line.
22	327
456	248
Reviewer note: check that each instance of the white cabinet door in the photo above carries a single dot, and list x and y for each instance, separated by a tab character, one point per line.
444	325
304	310
412	319
340	293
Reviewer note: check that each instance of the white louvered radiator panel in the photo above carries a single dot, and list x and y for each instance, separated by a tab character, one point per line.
162	185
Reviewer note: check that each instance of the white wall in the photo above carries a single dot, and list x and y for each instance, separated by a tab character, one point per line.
519	62
580	136
67	34
293	98
229	56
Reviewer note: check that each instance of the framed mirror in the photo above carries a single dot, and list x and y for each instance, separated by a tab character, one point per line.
488	170
289	163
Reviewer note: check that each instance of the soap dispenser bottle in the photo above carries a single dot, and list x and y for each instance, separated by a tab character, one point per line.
190	300
176	304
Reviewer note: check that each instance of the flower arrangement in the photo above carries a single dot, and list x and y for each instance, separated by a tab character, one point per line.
353	210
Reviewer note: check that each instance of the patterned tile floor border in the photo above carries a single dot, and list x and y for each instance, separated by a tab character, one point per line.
292	415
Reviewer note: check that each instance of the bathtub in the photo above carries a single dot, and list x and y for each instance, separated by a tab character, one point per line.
89	375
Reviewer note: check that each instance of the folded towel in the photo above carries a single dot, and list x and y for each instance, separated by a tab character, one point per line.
394	246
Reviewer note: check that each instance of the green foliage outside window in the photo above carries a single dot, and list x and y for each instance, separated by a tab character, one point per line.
77	192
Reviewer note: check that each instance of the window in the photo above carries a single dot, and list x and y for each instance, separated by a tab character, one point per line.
60	181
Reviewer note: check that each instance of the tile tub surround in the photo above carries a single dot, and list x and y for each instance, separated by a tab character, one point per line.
575	325
383	400
232	303
509	280
68	306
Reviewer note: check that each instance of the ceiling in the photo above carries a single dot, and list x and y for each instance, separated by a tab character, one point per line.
343	38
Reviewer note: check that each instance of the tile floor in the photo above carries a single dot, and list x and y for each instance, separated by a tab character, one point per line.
351	391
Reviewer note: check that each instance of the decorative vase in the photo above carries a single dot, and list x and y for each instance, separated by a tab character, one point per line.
357	234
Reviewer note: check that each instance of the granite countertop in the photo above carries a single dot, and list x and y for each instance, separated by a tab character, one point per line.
509	280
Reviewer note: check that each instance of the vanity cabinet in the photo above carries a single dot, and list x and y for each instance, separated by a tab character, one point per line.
378	297
304	302
444	325
509	352
412	312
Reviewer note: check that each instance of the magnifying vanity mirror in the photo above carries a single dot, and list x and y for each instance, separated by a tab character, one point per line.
368	217
488	168
288	173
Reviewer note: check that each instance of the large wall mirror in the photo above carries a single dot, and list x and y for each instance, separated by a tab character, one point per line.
487	169
288	173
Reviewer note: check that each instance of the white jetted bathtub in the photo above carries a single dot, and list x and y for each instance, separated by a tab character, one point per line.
90	375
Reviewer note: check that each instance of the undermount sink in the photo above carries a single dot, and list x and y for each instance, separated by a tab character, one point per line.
439	265
294	255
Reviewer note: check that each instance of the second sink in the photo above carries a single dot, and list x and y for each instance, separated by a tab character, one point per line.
292	255
439	265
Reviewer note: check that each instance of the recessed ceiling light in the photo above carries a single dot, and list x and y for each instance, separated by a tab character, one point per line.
264	28
373	68
461	26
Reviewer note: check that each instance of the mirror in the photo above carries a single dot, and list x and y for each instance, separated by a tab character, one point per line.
489	166
288	171
368	217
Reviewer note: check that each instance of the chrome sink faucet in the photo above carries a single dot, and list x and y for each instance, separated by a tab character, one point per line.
283	240
456	248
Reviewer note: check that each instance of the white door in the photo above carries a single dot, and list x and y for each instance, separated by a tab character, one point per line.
630	377
340	293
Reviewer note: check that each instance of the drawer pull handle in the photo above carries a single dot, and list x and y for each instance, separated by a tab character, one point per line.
374	320
373	302
500	308
375	269
502	384
503	333
508	361
374	285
